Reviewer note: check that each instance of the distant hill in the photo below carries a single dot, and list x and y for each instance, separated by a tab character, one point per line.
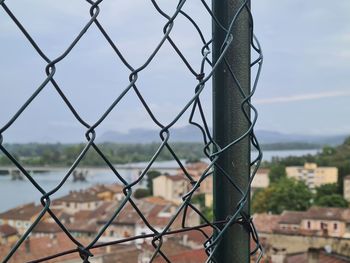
268	137
192	134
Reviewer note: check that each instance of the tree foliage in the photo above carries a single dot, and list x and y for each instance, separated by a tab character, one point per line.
277	171
141	193
150	176
285	194
333	200
326	189
64	154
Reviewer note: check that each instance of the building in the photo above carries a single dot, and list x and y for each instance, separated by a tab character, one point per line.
261	179
21	217
76	201
8	234
171	187
317	221
327	221
311	256
108	192
313	175
157	211
347	188
43	229
295	232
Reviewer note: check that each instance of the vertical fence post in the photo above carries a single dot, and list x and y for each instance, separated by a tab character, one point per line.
229	124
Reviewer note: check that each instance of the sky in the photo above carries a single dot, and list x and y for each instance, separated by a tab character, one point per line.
303	87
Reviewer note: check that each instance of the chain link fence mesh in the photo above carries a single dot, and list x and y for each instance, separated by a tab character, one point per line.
193	106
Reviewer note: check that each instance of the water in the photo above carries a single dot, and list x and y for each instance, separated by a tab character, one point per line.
267	155
13	193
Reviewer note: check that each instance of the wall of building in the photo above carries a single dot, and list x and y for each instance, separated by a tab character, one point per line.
312	175
296	243
169	189
347	189
333	228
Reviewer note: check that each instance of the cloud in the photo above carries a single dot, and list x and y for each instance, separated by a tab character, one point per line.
302	97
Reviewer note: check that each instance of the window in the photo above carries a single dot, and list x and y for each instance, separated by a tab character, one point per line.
335	226
308	224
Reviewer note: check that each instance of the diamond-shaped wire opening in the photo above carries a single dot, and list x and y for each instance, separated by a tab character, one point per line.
178	216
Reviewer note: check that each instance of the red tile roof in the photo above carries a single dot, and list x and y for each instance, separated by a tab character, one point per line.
79	197
6	231
328	213
23	212
45	227
323	257
187	256
38	247
266	222
292	217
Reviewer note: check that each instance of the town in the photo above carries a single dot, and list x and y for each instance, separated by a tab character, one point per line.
289	236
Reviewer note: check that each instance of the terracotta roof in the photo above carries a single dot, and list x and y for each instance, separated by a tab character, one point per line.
6	231
291	217
187	256
156	213
266	222
194	169
196	236
79	197
122	253
48	228
176	177
157	200
38	247
100	188
82	227
116	188
23	212
323	257
328	213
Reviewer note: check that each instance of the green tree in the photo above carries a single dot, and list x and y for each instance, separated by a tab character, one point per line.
333	200
150	176
260	200
325	190
141	193
277	171
285	194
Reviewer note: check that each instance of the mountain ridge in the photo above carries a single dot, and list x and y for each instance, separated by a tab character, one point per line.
193	134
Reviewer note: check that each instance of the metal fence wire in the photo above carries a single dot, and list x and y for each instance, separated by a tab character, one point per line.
193	106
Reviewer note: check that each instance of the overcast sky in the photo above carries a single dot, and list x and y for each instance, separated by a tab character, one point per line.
303	89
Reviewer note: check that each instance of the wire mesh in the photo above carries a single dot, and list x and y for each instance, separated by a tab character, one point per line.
193	106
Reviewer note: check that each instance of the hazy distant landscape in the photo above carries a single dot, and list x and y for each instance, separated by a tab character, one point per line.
192	134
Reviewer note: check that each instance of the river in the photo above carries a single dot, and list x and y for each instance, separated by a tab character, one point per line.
13	193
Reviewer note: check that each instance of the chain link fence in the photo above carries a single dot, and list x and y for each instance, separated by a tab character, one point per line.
193	106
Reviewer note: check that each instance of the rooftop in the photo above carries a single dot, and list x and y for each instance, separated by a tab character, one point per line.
328	213
291	217
24	212
322	256
266	222
6	231
79	197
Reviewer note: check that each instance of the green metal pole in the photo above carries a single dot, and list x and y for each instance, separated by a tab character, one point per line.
229	123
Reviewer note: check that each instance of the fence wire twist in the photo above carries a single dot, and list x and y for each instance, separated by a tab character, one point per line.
211	149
